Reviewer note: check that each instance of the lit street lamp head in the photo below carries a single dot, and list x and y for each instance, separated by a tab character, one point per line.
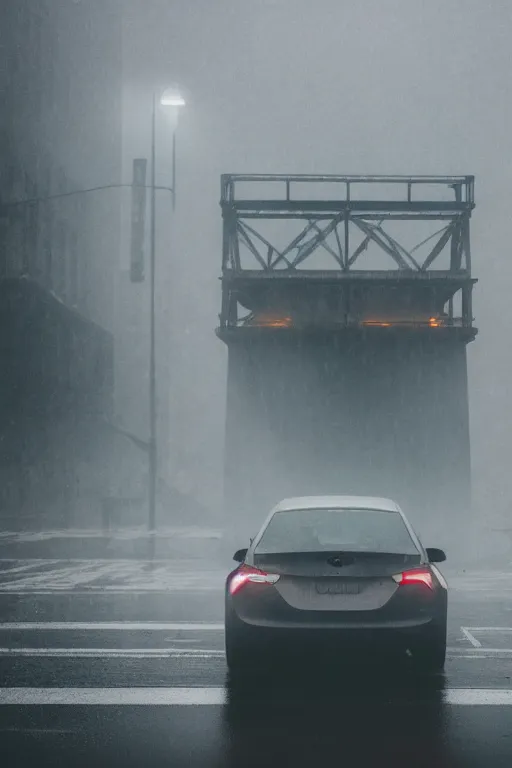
172	97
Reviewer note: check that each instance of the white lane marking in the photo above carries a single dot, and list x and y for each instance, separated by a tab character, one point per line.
114	696
203	653
114	652
167	561
474	642
181	626
490	656
197	696
490	629
102	626
478	697
37	731
479	653
113	591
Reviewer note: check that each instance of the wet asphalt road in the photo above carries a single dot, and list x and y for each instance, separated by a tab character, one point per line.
136	693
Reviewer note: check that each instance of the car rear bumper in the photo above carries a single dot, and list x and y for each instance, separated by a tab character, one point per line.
290	639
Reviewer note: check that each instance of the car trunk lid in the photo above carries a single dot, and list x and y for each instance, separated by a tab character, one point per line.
334	581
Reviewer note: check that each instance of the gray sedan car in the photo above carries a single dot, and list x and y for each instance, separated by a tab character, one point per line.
335	573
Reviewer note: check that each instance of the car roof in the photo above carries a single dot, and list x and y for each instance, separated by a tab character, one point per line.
337	502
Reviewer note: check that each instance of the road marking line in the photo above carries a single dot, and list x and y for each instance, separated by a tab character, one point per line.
102	626
478	697
114	696
474	642
479	653
195	653
214	696
114	652
168	561
38	731
490	629
490	656
111	591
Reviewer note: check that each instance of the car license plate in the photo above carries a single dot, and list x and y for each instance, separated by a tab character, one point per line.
337	587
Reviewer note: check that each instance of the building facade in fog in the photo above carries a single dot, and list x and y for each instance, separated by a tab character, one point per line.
74	339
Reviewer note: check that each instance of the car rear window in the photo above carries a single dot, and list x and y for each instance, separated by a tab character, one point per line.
348	530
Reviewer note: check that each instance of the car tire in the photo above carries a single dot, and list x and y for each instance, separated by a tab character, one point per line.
238	659
429	651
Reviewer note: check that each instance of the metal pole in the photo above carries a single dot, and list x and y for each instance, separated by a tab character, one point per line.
174	169
153	457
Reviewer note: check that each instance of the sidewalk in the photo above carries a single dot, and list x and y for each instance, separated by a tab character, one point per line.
97	562
122	543
25	577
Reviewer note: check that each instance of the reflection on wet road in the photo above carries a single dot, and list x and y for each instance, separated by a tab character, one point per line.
125	690
358	717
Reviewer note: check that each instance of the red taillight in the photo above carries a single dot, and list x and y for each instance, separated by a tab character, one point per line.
415	576
247	573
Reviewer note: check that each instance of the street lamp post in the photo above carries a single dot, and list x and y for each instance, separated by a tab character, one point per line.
170	98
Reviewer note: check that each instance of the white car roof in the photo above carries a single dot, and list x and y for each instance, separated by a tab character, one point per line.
336	502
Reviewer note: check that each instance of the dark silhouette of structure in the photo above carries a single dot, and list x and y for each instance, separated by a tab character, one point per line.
346	309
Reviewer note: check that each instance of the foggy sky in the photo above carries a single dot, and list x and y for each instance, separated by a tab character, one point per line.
361	86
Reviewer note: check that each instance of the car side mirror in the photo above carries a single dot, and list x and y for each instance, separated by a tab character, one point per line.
435	555
240	555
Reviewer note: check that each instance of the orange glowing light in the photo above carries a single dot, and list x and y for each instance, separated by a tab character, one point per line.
434	322
376	323
273	322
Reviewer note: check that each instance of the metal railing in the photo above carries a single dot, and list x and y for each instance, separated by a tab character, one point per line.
463	187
